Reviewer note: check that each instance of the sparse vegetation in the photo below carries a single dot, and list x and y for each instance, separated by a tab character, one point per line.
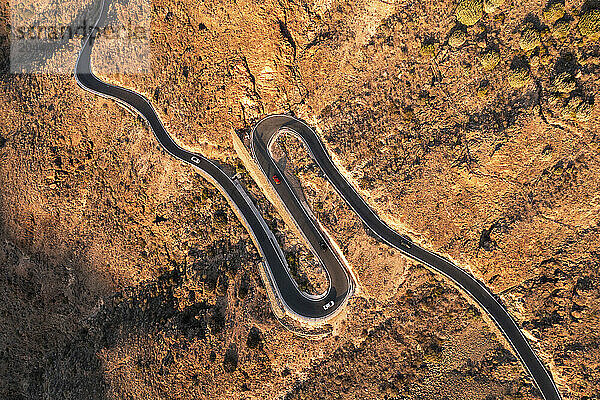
126	275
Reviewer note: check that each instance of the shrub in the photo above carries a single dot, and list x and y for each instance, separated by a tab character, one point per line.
428	49
589	24
489	59
530	39
490	6
561	29
518	77
468	12
554	12
578	108
457	38
564	83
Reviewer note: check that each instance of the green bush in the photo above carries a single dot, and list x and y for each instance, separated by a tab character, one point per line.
489	59
468	12
589	24
518	77
530	39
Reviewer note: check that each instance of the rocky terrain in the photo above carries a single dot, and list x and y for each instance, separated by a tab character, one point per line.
472	127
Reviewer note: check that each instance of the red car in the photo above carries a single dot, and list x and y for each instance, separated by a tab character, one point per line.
276	180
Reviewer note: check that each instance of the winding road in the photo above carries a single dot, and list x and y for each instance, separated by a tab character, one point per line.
341	285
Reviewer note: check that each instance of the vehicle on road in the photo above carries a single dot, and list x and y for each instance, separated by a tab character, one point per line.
276	179
328	305
323	245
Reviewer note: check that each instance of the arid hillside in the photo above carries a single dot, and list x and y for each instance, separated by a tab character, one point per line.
471	127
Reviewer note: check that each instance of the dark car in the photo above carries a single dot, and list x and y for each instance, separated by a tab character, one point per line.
407	242
323	245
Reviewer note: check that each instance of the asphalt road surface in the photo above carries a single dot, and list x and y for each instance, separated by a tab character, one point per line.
294	300
341	285
267	130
